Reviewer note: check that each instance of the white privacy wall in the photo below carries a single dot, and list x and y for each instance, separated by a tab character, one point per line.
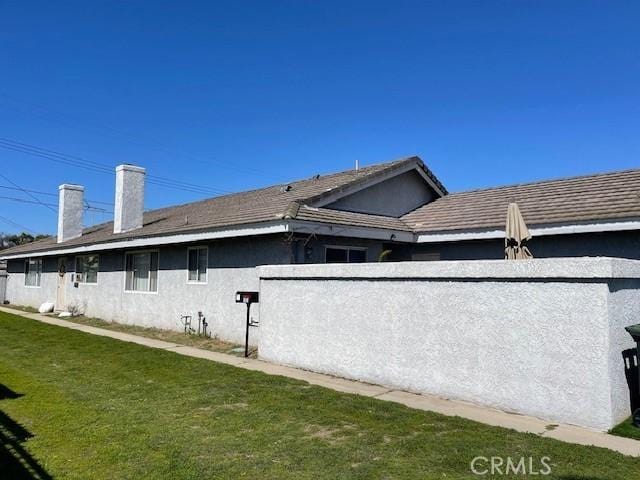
539	337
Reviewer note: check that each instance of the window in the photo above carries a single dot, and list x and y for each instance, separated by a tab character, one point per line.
32	272
141	272
198	264
87	269
345	255
425	257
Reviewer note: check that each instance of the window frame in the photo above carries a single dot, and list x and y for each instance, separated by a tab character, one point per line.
40	261
347	248
206	270
78	257
138	252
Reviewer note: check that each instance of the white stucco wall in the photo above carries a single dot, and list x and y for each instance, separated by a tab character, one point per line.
108	300
19	294
540	337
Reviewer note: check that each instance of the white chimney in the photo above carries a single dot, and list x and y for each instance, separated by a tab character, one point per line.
129	204
70	209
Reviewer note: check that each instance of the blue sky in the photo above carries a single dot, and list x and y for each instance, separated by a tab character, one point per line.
237	95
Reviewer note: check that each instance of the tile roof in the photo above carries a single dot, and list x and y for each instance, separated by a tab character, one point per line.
250	207
339	217
607	196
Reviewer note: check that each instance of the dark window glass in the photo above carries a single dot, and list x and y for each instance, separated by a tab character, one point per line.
345	255
357	256
337	255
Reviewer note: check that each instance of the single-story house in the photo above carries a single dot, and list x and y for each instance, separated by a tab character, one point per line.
150	268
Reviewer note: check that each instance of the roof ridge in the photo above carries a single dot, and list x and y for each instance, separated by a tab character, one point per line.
388	163
549	180
386	167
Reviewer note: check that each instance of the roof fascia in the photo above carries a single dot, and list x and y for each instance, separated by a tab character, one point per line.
337	230
240	231
538	231
328	229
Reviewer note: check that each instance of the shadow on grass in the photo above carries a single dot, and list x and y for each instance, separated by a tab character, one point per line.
15	462
7	394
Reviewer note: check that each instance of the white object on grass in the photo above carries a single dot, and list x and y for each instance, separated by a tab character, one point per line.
46	307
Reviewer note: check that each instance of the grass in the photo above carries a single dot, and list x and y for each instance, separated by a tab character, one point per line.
192	340
85	407
22	308
208	343
626	429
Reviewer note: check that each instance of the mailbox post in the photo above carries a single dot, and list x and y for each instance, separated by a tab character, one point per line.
634	331
248	298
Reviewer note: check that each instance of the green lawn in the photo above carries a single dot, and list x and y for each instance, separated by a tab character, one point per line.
192	340
78	406
626	429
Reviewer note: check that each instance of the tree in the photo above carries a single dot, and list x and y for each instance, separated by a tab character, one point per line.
11	240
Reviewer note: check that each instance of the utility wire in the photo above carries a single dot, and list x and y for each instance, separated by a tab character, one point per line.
23	200
80	162
25	191
70	120
108	171
8	221
49	194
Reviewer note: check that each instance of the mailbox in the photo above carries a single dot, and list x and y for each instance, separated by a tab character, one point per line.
247	297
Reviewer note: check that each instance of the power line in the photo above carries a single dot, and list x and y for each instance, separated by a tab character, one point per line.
94	166
139	140
23	200
80	162
15	224
25	191
49	194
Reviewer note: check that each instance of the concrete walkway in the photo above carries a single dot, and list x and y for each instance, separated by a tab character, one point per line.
489	416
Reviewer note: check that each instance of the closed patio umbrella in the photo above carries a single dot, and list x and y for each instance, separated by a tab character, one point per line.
516	235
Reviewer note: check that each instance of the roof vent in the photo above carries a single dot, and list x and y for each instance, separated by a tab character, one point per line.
286	188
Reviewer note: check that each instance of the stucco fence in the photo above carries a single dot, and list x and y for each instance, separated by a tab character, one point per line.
539	337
